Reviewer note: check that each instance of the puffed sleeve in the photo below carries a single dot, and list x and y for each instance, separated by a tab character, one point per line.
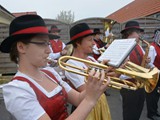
76	80
21	101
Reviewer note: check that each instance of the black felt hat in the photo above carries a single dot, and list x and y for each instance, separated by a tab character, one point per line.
23	26
132	25
78	31
97	31
155	32
54	28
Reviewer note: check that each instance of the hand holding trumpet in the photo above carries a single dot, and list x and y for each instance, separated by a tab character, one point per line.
110	71
95	84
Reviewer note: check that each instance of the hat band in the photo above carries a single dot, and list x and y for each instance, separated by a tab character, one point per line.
132	27
32	30
81	34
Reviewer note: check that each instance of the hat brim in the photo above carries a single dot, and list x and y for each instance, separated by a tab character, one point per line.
72	41
6	44
141	30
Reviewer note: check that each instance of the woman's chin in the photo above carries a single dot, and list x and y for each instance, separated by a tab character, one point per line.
43	64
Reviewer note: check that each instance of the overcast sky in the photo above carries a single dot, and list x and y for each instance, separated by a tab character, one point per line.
51	8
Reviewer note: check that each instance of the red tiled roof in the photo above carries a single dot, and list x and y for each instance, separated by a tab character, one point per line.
23	13
136	9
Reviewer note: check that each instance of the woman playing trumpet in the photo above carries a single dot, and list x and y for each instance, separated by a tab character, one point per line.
82	40
37	93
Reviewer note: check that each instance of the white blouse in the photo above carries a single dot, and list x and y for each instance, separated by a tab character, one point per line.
77	80
53	55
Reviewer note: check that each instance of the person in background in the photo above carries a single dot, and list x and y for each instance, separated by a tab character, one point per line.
37	92
100	46
82	40
133	101
153	97
57	46
98	37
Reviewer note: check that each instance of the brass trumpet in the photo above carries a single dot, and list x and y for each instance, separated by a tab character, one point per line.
143	64
147	76
108	24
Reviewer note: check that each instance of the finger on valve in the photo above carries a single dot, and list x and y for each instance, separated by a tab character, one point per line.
97	73
91	74
105	78
102	76
97	76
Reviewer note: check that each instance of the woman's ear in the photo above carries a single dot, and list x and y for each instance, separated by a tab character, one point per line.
21	47
78	44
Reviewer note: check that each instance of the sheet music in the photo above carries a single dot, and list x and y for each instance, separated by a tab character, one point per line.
118	51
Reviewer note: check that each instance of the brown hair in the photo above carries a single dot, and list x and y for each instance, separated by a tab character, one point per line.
79	40
14	55
128	32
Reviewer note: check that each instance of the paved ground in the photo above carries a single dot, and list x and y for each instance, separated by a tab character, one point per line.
116	106
113	100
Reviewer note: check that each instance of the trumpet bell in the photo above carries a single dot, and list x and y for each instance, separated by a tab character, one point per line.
108	24
146	77
152	82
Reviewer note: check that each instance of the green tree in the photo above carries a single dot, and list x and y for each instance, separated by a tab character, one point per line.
66	17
